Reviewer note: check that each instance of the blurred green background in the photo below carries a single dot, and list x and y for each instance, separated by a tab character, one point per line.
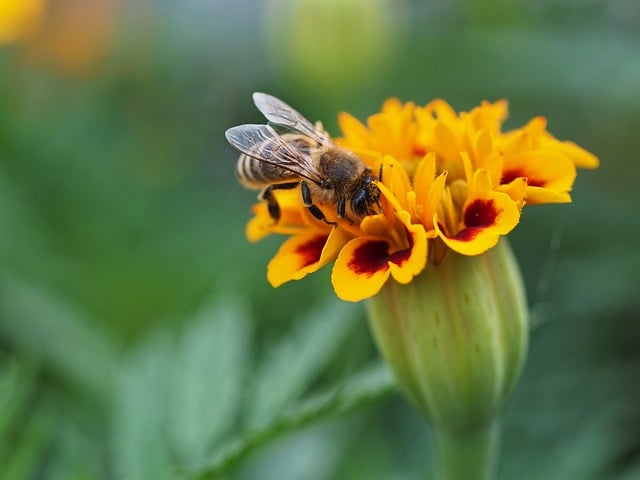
138	334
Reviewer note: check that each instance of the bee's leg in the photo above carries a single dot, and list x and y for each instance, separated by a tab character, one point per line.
379	206
380	173
308	202
268	196
342	207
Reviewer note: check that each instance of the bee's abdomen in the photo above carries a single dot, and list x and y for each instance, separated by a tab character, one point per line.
255	173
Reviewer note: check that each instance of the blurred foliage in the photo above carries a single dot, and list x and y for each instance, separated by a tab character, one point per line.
138	335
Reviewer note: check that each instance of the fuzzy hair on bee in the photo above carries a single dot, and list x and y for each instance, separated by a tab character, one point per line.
303	156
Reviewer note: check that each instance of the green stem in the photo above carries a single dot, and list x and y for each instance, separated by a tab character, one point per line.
469	454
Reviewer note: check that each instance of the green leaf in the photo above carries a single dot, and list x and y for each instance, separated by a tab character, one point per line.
177	398
76	453
294	363
60	336
364	388
140	445
30	444
208	379
17	387
17	384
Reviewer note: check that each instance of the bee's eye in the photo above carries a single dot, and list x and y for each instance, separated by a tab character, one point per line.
359	203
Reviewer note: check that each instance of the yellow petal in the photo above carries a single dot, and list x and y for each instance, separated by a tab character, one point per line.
395	178
406	264
294	217
424	177
448	145
549	175
539	195
297	257
485	218
361	268
260	225
354	132
578	155
392	105
428	189
303	254
442	110
516	189
381	129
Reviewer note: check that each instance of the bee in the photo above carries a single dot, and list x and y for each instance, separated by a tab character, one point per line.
305	156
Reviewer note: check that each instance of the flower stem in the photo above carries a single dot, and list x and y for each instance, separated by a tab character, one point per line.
469	454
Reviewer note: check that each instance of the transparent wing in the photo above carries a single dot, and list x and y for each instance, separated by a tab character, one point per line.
279	113
263	143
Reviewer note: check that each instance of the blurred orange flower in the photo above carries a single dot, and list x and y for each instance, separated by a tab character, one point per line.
76	35
70	36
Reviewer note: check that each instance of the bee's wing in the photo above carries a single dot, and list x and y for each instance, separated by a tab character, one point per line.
279	113
263	143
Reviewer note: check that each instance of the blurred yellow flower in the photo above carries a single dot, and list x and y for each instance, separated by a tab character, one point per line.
449	182
19	18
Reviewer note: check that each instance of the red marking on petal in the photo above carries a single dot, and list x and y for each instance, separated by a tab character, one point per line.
509	176
480	213
467	235
420	151
310	251
400	257
370	258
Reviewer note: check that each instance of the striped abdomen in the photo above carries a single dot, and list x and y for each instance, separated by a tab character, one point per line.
257	174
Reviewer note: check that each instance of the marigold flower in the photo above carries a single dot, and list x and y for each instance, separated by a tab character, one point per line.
449	182
447	304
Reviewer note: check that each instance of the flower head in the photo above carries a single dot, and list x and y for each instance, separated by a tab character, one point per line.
448	182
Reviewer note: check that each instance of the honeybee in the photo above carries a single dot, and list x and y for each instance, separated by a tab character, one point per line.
302	156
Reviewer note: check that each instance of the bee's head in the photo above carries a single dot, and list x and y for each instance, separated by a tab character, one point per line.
366	198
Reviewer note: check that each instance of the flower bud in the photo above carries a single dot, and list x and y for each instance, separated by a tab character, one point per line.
456	336
333	44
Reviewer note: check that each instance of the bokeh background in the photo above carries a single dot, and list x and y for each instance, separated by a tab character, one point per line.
133	312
